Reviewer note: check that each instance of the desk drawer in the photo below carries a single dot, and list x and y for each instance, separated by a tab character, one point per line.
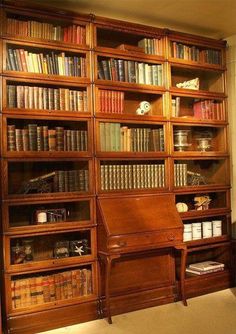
145	239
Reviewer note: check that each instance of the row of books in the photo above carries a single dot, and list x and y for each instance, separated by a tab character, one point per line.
56	181
71	180
111	101
45	63
35	97
73	34
132	176
205	267
151	46
193	53
208	109
41	138
180	175
118	138
202	109
130	71
38	290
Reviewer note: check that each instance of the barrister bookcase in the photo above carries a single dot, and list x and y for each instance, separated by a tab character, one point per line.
72	134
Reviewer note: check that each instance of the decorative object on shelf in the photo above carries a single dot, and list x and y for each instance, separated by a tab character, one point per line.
61	249
187	232
17	254
204	141
216	228
190	84
37	185
195	179
40	216
28	249
49	216
79	247
205	267
202	202
206	229
144	108
181	207
197	230
130	48
22	251
181	140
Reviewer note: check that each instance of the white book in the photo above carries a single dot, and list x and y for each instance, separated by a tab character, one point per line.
206	265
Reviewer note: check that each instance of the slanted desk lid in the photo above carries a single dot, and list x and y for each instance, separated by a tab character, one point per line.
125	215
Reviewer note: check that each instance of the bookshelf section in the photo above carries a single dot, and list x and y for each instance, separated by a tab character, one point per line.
202	203
129	71
187	107
37	28
30	135
132	175
46	98
42	178
50	249
199	139
129	137
206	229
131	39
59	215
51	288
126	103
195	53
198	79
218	252
30	59
200	172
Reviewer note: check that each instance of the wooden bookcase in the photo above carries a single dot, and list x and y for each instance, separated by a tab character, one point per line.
48	208
142	155
71	136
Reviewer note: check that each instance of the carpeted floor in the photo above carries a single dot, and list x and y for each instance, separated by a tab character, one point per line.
209	314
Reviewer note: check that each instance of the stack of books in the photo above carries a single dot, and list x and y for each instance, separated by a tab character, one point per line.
205	267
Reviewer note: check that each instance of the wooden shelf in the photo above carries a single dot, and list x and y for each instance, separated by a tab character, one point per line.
195	64
197	121
47	77
47	43
204	213
133	86
128	54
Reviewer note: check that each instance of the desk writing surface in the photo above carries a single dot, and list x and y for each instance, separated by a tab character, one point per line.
126	215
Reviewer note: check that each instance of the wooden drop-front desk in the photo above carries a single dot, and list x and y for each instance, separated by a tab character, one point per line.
136	225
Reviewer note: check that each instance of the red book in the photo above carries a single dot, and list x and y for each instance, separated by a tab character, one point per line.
101	100
69	34
78	35
23	60
197	109
74	32
65	34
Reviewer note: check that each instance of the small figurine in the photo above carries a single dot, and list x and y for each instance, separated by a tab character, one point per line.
190	84
202	202
195	179
144	108
181	207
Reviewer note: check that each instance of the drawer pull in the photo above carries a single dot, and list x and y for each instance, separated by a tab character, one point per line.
171	237
122	243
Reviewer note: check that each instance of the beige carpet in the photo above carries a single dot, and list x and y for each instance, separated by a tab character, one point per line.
209	314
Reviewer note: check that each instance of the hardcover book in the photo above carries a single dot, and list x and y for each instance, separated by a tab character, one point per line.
206	265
